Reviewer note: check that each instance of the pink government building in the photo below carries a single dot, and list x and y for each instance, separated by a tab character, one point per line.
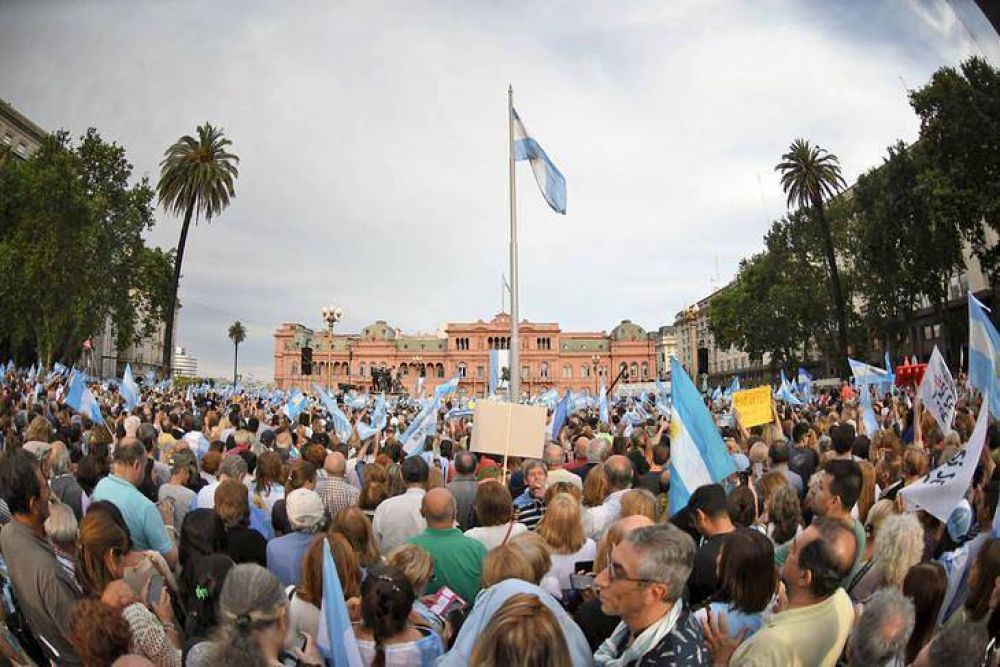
550	357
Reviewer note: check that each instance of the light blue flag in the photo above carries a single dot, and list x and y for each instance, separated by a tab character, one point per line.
868	412
984	350
424	426
128	389
550	180
662	390
335	636
296	405
717	394
785	393
698	456
82	400
733	387
865	374
559	417
603	403
341	424
378	420
548	398
805	383
355	402
444	389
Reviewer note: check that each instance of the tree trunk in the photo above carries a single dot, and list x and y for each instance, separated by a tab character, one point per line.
236	358
168	335
838	294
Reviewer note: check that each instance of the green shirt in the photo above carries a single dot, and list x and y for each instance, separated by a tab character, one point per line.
860	538
458	561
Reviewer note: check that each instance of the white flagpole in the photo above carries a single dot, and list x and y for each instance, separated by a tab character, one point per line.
515	357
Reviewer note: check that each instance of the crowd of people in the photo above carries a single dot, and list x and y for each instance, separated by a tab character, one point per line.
193	531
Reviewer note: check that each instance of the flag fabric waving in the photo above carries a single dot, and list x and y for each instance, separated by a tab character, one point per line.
550	180
341	424
867	374
984	348
128	389
559	416
867	411
603	404
940	491
335	637
82	400
698	454
444	389
938	392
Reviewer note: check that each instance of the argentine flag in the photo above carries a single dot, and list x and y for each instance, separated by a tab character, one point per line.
984	348
444	389
335	637
697	454
603	403
867	374
128	389
550	180
341	424
82	400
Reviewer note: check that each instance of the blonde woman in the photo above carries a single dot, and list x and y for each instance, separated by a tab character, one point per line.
562	530
899	545
418	567
639	501
522	633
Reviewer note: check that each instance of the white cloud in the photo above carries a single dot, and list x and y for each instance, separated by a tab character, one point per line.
373	142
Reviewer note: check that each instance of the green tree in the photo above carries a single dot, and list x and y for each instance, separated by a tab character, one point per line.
810	175
237	334
197	177
72	256
959	112
906	243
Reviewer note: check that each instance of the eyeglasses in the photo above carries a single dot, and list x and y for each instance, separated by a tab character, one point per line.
614	575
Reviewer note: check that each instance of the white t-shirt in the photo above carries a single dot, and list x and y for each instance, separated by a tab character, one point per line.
562	564
492	536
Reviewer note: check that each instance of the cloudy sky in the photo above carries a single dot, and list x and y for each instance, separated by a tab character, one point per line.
372	138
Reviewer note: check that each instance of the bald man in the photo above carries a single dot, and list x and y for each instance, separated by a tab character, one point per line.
458	560
618	470
335	491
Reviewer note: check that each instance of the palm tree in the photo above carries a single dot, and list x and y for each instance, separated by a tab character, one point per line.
810	174
196	179
237	334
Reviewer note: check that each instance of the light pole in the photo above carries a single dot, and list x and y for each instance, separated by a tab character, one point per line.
331	315
596	360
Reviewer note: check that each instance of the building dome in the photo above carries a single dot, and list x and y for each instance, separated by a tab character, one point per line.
627	331
378	331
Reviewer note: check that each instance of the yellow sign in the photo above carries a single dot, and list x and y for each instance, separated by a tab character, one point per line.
753	406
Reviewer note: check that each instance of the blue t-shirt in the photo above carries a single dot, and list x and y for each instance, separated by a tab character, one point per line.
284	556
145	524
737	620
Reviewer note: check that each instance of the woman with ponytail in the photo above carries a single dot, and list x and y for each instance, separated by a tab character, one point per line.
253	611
386	636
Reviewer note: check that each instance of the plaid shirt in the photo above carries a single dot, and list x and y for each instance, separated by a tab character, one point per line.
335	492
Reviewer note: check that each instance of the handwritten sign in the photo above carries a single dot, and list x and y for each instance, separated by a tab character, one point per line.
753	406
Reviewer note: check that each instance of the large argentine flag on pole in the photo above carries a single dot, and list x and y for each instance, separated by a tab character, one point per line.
697	454
128	389
867	374
984	349
550	180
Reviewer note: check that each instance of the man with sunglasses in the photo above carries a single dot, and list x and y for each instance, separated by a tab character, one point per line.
642	585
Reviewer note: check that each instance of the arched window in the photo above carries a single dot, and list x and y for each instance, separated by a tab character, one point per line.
404	369
361	369
585	371
543	370
645	370
439	370
461	370
634	370
567	371
337	368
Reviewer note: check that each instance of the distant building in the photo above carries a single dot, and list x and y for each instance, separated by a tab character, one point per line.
18	132
666	347
550	357
144	356
184	364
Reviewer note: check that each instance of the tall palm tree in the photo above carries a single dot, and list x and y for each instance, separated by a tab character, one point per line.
196	179
809	175
237	334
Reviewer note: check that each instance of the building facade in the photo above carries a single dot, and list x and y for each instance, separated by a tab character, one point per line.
18	133
184	364
666	347
550	357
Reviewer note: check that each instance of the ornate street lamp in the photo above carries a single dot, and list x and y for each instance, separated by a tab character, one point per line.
596	360
331	315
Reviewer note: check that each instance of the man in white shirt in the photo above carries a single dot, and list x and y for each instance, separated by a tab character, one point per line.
554	458
618	470
399	518
233	467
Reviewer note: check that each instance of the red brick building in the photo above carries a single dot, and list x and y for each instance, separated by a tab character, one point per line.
550	357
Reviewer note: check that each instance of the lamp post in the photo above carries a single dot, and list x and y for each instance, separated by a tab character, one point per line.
331	315
596	360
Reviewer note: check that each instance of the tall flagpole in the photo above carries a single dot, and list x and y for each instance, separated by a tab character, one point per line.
515	357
